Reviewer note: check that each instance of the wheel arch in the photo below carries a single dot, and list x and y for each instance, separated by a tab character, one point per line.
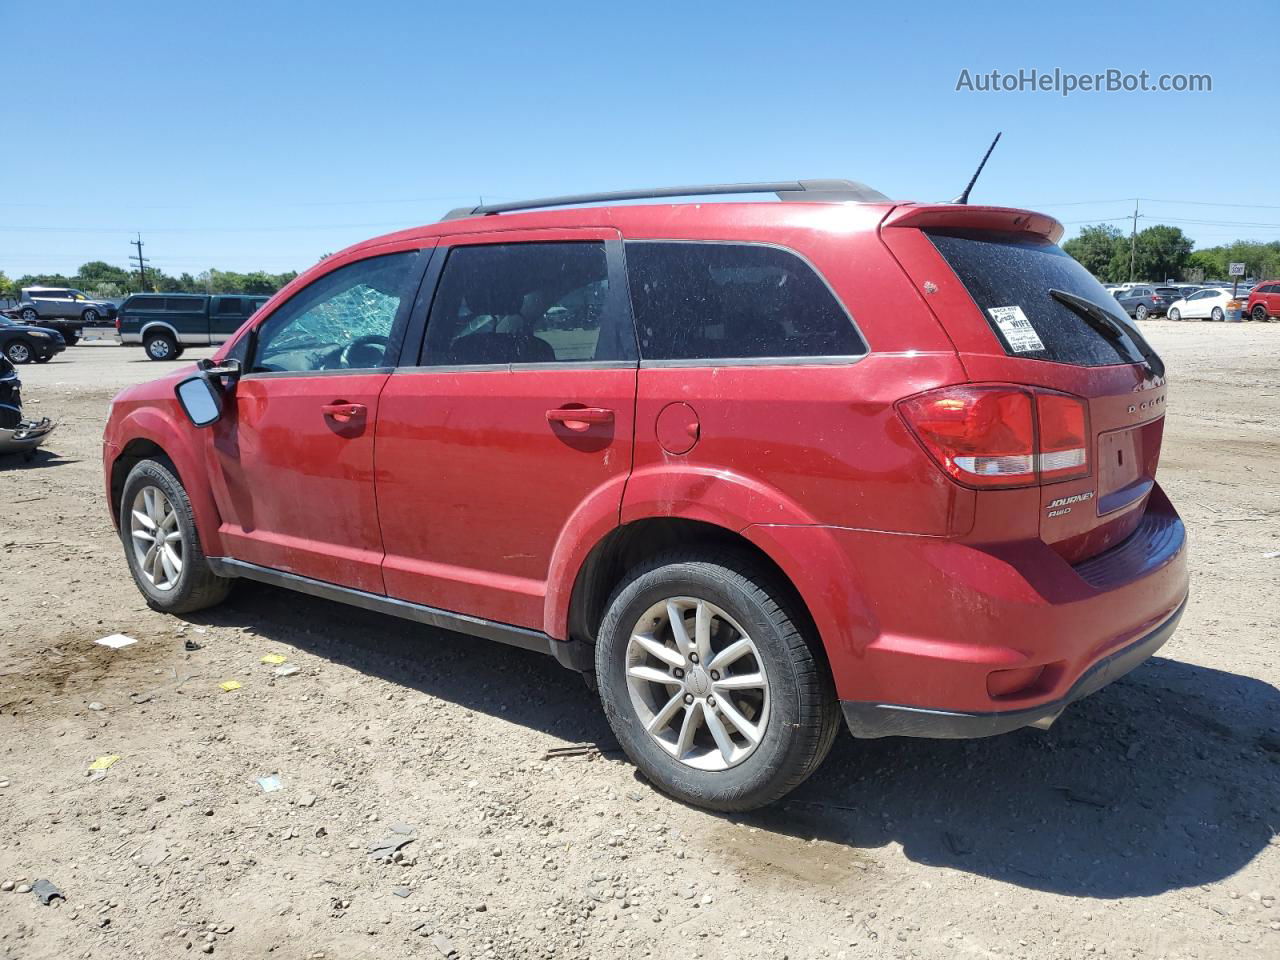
625	547
155	325
153	436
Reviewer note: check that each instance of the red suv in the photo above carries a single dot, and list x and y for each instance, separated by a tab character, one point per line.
751	467
1264	302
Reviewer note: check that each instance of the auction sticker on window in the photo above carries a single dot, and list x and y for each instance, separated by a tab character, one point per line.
1017	329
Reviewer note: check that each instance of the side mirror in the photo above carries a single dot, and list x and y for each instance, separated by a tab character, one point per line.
201	400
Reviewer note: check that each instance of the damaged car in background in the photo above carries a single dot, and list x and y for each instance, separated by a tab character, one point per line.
18	434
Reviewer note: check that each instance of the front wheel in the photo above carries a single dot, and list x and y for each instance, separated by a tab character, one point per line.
712	681
161	543
18	352
1217	315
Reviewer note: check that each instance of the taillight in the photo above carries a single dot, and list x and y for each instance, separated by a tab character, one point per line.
999	436
1064	437
117	323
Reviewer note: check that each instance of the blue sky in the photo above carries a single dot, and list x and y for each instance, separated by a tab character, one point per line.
263	135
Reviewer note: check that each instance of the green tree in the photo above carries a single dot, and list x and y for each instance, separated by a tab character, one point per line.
1161	253
1095	247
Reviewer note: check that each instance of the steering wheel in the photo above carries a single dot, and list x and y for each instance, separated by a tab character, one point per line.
367	351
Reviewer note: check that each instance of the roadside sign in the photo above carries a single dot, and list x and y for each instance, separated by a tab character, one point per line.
1235	270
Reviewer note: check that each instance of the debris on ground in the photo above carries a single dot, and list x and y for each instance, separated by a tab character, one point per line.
229	685
581	750
95	705
191	645
1272	555
274	659
46	891
288	670
270	784
105	763
401	891
444	945
116	641
386	848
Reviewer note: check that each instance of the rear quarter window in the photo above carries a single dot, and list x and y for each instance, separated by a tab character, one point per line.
725	301
1003	271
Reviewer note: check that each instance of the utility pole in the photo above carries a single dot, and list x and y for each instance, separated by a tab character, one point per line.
1133	242
141	261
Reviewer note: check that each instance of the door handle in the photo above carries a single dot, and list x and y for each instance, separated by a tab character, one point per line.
579	418
343	412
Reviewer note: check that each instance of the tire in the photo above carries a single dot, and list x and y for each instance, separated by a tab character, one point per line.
161	346
1175	314
29	315
1140	313
19	352
195	586
796	706
1217	316
71	339
90	317
1259	313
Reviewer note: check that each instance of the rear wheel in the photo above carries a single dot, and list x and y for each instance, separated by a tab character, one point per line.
90	317
1141	312
1217	315
161	346
29	315
1175	314
161	542
712	684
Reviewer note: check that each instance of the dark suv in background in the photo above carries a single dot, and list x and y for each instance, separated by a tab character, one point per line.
166	323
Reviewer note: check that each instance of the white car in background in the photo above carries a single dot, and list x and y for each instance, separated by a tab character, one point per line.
1211	304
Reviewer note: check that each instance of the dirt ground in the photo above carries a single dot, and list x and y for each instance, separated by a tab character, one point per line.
1143	824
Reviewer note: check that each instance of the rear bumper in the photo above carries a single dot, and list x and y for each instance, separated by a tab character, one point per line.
927	633
871	720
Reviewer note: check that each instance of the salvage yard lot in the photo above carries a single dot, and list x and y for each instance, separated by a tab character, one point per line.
1145	823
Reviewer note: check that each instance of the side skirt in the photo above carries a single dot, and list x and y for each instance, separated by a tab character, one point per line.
568	653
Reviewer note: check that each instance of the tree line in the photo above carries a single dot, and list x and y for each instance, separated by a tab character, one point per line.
100	279
1162	252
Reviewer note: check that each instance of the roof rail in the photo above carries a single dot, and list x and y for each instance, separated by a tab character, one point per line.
812	191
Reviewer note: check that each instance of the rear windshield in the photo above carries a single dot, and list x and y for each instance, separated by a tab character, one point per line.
1009	277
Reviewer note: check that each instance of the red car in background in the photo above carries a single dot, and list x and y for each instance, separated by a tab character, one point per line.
754	467
1264	302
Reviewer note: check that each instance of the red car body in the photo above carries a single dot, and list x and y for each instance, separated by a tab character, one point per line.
946	608
1264	302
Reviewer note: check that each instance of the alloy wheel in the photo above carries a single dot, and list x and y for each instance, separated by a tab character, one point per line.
19	352
158	546
697	683
29	316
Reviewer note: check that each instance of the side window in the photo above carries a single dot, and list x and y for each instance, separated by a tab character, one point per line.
144	303
228	306
705	301
345	320
524	303
185	305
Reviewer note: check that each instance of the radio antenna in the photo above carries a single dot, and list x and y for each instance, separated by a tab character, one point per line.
964	197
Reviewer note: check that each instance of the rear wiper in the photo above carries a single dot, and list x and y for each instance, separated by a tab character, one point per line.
1110	327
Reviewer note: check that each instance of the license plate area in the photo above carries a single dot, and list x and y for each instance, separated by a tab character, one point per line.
1127	461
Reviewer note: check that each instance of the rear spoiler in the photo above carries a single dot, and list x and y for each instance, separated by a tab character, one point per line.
958	217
